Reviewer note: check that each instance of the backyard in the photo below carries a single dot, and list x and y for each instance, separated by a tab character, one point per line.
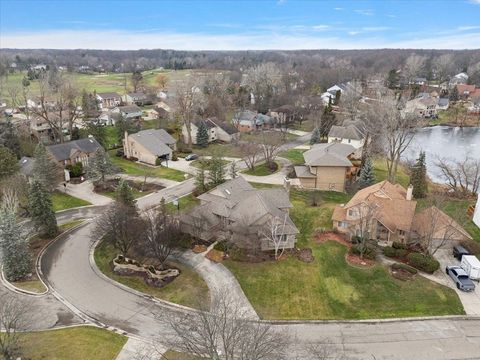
76	343
133	168
187	289
329	288
381	173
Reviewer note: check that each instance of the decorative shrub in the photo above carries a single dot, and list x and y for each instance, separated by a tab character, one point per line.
389	251
401	253
398	245
221	246
174	156
423	262
119	153
369	252
158	161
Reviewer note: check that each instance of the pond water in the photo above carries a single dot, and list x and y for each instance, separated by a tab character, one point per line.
444	141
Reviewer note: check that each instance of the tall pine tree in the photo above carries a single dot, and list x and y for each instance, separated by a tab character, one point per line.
216	169
201	178
124	194
367	176
315	139
100	165
202	134
47	172
419	177
41	209
13	241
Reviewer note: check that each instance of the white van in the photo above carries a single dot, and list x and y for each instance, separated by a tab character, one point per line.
471	265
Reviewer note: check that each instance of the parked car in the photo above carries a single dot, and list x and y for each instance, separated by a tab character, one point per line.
191	157
459	251
460	277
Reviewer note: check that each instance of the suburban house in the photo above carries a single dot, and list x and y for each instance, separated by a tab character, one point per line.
442	104
351	132
128	112
387	212
74	151
217	130
237	212
135	98
461	78
419	81
149	146
464	91
424	106
108	100
327	167
283	114
247	121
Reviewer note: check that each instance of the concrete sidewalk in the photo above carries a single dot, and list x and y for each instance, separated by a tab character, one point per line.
136	349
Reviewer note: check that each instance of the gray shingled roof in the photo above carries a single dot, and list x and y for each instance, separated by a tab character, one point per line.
108	95
349	130
331	154
129	109
63	151
155	141
303	171
228	128
26	165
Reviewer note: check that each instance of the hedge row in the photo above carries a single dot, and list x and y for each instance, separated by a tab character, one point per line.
423	262
392	252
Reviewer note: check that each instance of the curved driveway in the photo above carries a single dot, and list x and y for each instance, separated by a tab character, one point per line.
67	269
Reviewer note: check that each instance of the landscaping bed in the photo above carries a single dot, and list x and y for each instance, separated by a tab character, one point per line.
263	169
412	256
139	189
188	289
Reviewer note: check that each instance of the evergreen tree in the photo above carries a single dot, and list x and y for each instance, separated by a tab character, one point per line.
338	94
418	178
13	241
41	209
8	162
367	176
122	125
454	96
100	165
9	138
45	169
392	79
233	170
327	120
202	134
201	178
216	170
124	194
315	139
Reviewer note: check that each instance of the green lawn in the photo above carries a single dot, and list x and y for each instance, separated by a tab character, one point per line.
380	171
62	201
133	168
136	193
197	163
76	343
257	136
188	289
226	150
329	288
185	203
261	170
294	155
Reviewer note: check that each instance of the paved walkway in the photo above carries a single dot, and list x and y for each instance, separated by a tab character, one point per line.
141	350
219	279
150	180
85	192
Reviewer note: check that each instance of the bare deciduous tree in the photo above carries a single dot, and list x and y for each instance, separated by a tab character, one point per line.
15	315
271	146
275	232
263	80
414	66
461	176
250	152
226	333
444	66
365	217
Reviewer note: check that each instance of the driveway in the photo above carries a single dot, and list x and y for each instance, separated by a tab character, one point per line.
470	301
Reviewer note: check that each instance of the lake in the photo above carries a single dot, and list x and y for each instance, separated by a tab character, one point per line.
448	142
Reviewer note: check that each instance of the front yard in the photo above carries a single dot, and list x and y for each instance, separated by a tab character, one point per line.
63	201
329	288
136	169
76	343
294	155
187	289
261	170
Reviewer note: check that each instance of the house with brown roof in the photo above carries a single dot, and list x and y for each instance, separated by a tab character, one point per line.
464	90
388	213
327	167
237	212
108	100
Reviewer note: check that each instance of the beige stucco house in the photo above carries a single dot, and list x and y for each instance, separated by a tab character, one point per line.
149	146
240	214
327	167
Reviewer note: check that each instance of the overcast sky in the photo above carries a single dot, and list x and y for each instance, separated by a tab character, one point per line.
240	25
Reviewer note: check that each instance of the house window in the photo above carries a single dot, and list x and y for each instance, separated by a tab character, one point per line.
401	232
349	141
343	224
282	238
351	213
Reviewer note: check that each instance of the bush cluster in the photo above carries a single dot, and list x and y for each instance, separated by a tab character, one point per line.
221	246
472	246
398	245
75	170
391	251
423	262
369	252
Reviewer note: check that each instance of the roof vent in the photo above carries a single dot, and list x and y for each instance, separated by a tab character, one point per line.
228	192
24	161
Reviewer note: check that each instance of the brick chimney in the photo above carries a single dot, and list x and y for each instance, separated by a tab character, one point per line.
409	192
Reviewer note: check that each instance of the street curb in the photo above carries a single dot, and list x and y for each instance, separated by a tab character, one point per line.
38	269
93	265
78	208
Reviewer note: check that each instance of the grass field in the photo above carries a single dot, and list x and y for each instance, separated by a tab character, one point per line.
294	155
185	203
188	289
76	343
226	150
207	162
62	201
134	168
329	288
